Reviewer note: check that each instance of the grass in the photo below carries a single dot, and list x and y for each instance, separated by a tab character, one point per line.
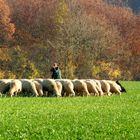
77	118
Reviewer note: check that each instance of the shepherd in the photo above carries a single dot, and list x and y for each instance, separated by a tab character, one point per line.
56	72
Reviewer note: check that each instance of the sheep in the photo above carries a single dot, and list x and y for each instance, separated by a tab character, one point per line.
68	87
49	86
59	86
4	86
80	88
39	87
99	88
116	87
15	87
122	88
29	87
92	87
105	87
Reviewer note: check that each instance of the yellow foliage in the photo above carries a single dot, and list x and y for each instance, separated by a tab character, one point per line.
106	70
96	70
1	74
10	75
4	54
115	73
62	12
34	71
71	69
7	75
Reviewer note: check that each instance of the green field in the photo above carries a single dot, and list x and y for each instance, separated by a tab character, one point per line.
75	118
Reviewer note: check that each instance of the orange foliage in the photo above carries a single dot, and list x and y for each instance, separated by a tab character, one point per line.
133	37
106	33
122	18
6	28
35	17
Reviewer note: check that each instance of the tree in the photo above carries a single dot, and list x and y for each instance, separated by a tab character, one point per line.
87	38
35	20
6	27
83	33
21	65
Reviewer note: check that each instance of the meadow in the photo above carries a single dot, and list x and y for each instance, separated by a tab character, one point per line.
76	118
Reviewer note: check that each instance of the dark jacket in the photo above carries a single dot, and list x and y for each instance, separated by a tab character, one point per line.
56	73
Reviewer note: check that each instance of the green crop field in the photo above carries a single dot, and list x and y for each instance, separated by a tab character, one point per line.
76	118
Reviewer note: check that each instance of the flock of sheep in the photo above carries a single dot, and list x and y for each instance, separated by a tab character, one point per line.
59	87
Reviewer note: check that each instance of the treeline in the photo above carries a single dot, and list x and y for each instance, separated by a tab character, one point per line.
89	39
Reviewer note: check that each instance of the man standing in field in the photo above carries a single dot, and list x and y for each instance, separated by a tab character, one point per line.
56	72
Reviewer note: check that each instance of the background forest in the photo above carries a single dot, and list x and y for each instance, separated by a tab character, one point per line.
88	38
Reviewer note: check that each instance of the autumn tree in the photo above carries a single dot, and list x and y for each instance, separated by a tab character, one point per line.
21	65
128	26
89	39
123	22
6	27
82	41
35	20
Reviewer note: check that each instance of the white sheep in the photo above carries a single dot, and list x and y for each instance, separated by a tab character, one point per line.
49	87
60	87
80	88
68	87
105	87
116	87
15	87
92	87
39	87
29	87
99	87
